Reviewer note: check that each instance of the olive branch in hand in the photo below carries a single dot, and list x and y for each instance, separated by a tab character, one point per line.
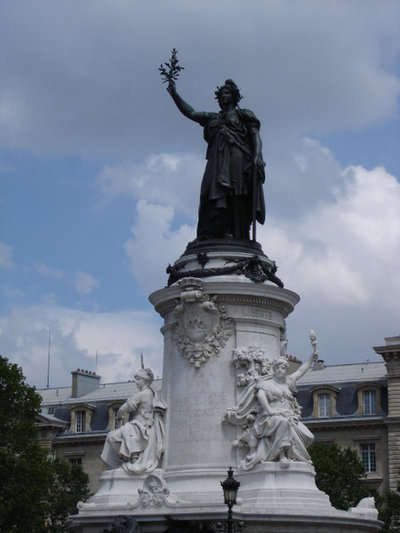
173	67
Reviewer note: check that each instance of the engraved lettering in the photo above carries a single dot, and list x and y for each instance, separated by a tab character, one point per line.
257	312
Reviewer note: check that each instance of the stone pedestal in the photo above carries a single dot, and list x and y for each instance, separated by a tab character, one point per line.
212	309
205	320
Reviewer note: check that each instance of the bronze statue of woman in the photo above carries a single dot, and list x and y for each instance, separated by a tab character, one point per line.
231	197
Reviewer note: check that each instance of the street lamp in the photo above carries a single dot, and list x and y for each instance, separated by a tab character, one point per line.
230	487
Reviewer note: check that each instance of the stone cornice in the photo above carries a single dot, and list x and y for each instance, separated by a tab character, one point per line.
79	438
344	423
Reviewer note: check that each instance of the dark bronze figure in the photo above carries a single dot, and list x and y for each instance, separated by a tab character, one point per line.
231	196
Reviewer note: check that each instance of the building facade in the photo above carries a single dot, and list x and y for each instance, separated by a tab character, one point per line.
355	405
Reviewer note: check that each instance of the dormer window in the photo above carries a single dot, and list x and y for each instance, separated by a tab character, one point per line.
324	405
81	416
80	421
369	399
324	401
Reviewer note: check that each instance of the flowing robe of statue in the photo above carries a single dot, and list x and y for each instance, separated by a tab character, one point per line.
269	415
281	430
231	196
226	195
138	444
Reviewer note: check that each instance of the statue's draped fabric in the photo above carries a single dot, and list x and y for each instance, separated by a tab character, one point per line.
227	195
269	434
142	438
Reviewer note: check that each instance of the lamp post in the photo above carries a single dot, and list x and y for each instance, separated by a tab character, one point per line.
230	487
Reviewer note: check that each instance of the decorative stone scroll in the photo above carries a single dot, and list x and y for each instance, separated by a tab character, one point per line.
202	326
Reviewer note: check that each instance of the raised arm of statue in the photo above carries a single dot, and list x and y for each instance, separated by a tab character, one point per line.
305	366
183	106
313	358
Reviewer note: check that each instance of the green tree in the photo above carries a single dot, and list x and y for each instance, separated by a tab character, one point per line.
388	506
68	485
37	492
339	473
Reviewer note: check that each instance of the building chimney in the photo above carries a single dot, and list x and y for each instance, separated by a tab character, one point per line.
83	382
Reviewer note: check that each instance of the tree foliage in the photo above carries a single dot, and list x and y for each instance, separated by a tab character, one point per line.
339	473
37	492
388	507
19	404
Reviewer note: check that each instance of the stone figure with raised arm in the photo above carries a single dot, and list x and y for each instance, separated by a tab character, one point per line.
231	196
270	415
138	445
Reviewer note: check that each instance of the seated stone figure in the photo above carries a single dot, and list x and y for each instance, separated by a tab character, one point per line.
137	445
270	416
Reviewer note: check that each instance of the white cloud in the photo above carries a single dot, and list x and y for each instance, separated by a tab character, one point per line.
49	272
85	283
119	337
347	250
343	258
154	245
302	66
343	244
5	255
341	253
167	179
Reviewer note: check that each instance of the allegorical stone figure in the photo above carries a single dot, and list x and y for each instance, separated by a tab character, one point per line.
138	445
268	412
231	196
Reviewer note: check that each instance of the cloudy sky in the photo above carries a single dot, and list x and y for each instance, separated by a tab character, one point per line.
100	174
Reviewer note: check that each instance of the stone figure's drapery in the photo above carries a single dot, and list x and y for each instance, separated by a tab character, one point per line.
268	413
280	431
138	445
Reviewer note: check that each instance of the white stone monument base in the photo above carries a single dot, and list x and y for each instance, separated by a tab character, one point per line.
282	499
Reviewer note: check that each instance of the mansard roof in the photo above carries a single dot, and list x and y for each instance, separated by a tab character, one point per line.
352	372
105	392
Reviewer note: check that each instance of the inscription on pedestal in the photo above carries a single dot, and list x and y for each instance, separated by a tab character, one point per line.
256	312
198	414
